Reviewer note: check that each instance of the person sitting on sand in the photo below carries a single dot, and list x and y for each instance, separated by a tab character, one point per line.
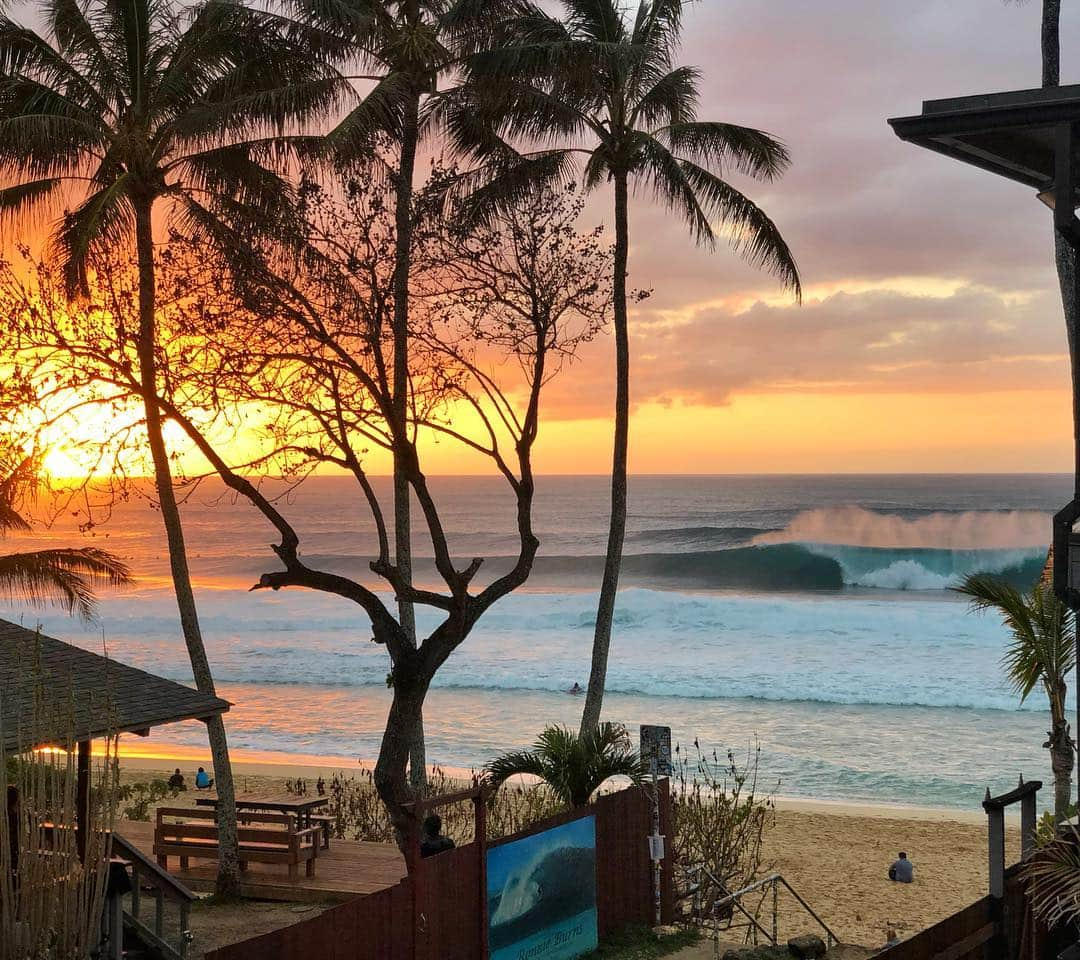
176	781
203	780
902	870
433	841
576	690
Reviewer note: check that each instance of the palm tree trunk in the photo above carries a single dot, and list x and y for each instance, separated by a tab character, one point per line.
1061	763
1061	749
1051	43
402	513
228	861
609	586
1065	260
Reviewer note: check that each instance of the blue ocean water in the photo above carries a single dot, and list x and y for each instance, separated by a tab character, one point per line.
810	614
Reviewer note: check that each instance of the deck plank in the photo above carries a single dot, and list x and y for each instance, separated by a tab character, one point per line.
349	868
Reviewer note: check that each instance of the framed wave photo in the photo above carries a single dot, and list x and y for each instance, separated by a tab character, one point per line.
541	893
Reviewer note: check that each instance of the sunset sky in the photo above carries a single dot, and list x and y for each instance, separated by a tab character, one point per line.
930	338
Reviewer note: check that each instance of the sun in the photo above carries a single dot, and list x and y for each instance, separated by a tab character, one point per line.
58	462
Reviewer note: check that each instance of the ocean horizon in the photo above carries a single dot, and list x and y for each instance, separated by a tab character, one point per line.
810	614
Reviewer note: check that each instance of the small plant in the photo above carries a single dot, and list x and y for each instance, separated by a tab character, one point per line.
359	814
1046	828
573	766
137	799
1053	877
720	820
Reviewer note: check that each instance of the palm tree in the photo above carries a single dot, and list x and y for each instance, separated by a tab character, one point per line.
400	47
572	765
124	107
1042	652
65	576
601	86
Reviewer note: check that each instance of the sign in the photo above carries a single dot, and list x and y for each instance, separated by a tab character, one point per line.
656	748
541	894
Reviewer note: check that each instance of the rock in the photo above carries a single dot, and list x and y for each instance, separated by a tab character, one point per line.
807	947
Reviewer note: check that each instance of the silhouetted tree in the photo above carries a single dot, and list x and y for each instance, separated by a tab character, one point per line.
124	106
601	84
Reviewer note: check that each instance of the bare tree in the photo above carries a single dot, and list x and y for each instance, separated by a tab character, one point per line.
497	311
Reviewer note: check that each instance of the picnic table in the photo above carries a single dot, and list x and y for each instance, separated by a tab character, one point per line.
300	807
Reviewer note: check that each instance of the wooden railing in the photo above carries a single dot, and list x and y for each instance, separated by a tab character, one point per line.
148	879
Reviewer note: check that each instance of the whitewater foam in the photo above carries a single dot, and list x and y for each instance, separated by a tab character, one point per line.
958	530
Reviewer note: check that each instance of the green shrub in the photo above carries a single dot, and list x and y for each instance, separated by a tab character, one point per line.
136	799
721	817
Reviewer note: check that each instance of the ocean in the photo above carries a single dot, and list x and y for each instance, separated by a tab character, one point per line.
810	615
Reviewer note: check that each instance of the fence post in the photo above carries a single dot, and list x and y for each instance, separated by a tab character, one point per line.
481	844
667	828
1027	824
413	863
996	848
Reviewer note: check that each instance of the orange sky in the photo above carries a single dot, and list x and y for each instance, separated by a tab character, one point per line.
931	337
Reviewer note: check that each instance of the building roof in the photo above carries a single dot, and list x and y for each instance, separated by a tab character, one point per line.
82	695
1012	134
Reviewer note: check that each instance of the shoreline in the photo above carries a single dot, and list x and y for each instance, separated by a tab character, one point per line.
834	853
163	758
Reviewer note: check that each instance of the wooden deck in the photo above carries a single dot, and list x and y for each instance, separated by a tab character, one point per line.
349	868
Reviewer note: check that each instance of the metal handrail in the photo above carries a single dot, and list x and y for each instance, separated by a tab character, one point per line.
774	880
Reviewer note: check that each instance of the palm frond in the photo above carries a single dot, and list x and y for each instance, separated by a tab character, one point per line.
26	198
1053	877
722	146
1043	646
105	219
671	99
602	21
574	767
67	578
670	186
377	114
24	53
502	184
515	763
752	233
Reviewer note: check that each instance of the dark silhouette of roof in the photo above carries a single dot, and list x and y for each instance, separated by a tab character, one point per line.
82	695
1011	134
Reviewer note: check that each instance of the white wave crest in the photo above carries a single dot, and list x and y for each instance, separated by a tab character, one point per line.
971	530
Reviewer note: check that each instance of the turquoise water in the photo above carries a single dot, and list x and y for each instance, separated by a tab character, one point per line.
811	615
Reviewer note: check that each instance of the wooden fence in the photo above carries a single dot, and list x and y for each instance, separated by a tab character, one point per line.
989	929
439	911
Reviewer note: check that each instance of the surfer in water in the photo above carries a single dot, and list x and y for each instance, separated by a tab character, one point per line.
576	690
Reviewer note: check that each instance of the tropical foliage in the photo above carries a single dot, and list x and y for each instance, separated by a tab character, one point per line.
214	125
600	88
1042	654
574	766
67	577
123	106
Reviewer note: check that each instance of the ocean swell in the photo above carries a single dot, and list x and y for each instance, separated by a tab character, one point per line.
806	566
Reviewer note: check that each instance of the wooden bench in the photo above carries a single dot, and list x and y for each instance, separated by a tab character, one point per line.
262	838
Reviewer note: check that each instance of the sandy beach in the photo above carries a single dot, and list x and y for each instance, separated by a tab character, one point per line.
835	855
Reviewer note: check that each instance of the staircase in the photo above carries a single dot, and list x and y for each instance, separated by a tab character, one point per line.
157	911
755	909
